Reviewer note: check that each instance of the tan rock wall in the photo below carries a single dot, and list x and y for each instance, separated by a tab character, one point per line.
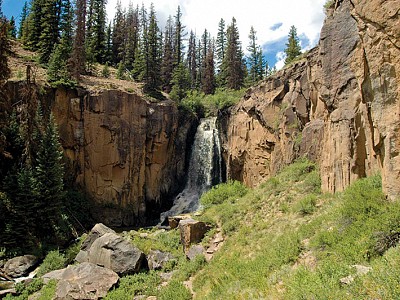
339	106
127	153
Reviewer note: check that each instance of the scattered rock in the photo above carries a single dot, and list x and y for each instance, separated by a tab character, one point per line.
173	222
6	292
347	280
192	231
20	266
157	259
83	281
105	248
194	251
362	270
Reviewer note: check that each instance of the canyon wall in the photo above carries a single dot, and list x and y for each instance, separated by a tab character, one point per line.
339	105
127	153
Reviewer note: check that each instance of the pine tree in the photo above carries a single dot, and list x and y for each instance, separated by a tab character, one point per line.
96	32
167	64
109	54
132	36
179	36
208	81
151	76
255	61
118	36
12	30
24	15
220	44
233	67
293	48
33	25
49	173
181	82
50	29
192	59
77	61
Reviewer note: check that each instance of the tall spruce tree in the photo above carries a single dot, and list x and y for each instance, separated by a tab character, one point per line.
192	59
233	67
293	48
167	65
96	32
50	28
208	81
12	30
179	36
77	61
180	82
151	76
220	44
33	25
24	15
255	60
132	36
118	36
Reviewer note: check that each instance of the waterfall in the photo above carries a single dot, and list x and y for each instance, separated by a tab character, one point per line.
204	169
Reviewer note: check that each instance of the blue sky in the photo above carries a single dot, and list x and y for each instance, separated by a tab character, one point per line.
270	18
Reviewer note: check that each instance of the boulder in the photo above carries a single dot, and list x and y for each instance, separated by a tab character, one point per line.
192	231
20	266
173	222
83	281
111	251
195	251
157	259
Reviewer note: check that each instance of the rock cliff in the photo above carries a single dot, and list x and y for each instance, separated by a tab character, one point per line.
338	106
129	154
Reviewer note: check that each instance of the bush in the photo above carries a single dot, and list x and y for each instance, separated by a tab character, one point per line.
174	290
54	260
106	71
307	205
223	192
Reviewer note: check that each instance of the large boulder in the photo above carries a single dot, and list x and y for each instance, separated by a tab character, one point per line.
157	259
83	281
20	266
192	231
107	249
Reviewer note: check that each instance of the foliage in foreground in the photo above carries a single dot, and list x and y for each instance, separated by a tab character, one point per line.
287	240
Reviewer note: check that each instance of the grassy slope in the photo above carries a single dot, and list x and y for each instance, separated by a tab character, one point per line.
286	240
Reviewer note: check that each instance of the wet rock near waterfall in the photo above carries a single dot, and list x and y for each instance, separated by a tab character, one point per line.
20	266
107	249
82	281
157	259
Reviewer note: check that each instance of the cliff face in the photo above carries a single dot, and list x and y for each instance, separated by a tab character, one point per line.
339	106
126	152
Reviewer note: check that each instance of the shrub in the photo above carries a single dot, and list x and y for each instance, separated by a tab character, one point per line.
223	192
174	290
54	260
307	205
106	71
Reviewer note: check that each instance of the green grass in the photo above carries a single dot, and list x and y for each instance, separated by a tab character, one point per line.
287	240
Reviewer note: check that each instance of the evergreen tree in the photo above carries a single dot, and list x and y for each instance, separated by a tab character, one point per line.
33	25
208	80
24	15
96	32
167	64
220	44
118	36
181	82
179	36
192	59
233	67
255	60
108	54
293	48
132	36
12	30
77	61
49	173
151	76
50	28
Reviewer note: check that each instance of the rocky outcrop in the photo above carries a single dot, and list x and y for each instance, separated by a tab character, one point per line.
105	248
191	231
20	266
338	106
83	281
128	153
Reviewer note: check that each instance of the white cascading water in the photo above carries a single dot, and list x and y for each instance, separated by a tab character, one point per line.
204	169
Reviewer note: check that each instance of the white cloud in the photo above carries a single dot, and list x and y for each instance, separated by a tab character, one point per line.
280	60
306	15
